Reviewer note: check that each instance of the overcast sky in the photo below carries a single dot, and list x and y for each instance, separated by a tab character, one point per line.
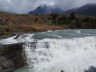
24	6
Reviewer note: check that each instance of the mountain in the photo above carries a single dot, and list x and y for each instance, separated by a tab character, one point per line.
47	9
88	9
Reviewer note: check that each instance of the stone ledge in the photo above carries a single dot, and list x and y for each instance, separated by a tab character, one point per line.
11	57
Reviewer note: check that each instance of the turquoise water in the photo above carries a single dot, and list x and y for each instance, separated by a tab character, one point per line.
24	69
71	50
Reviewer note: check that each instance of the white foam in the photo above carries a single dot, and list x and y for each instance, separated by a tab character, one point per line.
9	40
20	39
27	38
49	31
54	55
78	31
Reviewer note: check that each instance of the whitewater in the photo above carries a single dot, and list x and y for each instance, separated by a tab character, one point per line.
53	51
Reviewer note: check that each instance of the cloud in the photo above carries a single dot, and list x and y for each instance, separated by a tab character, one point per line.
5	5
9	1
24	6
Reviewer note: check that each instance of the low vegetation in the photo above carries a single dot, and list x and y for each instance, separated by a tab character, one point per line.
10	23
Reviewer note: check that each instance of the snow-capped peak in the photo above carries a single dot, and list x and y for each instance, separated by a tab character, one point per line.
49	5
47	9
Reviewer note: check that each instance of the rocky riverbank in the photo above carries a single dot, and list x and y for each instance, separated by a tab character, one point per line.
11	57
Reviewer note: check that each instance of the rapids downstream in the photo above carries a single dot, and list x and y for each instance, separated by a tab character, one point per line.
53	51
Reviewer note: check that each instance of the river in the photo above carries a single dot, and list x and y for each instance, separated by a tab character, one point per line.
70	50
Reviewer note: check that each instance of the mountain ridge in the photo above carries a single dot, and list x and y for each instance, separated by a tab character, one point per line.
88	9
47	9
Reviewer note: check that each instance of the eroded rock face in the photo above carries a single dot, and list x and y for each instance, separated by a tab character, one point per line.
2	50
11	57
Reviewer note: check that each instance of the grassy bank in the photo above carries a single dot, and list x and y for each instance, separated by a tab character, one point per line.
14	23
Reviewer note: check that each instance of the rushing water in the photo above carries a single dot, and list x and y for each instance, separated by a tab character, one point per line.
53	51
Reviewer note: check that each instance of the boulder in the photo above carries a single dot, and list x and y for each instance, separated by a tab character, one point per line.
7	64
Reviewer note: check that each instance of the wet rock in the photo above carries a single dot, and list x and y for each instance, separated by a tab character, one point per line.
17	36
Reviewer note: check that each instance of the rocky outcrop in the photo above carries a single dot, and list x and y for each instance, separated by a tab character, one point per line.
11	57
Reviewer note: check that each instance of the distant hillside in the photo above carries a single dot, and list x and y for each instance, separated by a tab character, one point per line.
46	9
88	9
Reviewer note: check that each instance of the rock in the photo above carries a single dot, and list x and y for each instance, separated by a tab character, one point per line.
2	59
2	50
11	69
17	36
11	57
0	68
1	71
14	47
7	64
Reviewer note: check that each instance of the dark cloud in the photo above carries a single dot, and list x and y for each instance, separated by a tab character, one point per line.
24	6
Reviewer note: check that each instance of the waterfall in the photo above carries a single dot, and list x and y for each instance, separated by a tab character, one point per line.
54	55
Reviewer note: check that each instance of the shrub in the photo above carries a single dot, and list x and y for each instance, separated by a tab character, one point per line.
72	15
36	19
